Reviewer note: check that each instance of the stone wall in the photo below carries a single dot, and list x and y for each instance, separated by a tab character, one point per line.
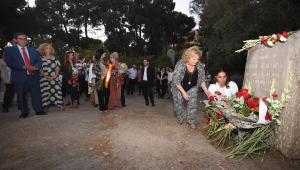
263	65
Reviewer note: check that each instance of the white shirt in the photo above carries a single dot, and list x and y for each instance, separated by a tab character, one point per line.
227	92
132	73
170	76
91	74
21	51
145	74
86	74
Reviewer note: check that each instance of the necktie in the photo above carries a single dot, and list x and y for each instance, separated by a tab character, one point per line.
26	59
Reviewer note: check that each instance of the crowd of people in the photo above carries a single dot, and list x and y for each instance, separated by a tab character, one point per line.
103	80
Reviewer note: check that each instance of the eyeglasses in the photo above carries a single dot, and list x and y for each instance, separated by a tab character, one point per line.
24	39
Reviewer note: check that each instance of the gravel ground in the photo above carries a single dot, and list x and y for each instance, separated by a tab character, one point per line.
135	137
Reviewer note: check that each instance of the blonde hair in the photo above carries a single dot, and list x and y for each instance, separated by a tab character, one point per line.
115	55
191	52
43	47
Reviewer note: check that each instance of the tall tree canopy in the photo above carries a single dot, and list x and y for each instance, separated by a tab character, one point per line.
15	15
225	24
135	24
133	27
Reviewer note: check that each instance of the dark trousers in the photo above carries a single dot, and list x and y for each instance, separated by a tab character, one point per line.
158	89
123	95
147	92
103	97
81	82
32	86
130	89
164	88
8	95
74	92
140	87
85	89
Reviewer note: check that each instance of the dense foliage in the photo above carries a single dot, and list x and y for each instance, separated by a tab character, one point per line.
133	27
225	24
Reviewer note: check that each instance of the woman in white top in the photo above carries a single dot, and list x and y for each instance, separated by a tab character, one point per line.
222	85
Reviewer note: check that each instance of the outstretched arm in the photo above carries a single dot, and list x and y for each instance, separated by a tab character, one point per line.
177	74
203	86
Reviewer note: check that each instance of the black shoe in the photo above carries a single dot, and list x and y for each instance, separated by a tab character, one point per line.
4	109
153	104
147	104
24	115
41	113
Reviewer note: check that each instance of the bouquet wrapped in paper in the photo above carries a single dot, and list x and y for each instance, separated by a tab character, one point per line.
252	118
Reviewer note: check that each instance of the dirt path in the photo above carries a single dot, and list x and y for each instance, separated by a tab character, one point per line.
135	137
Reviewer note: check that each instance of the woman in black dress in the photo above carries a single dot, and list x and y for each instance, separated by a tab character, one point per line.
71	79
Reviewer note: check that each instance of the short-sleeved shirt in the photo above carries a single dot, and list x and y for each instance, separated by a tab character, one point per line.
225	91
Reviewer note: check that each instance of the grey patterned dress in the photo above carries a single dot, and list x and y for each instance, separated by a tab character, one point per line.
51	89
178	99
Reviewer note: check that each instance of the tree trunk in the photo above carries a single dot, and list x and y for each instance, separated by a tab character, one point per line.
64	23
86	27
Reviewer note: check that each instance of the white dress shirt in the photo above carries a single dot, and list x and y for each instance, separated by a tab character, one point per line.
145	78
21	51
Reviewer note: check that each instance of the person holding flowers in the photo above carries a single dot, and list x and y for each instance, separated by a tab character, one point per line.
71	76
222	86
100	68
187	77
115	82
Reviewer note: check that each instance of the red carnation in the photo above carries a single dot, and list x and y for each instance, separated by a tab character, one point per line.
278	36
285	34
265	99
265	42
253	103
268	117
244	90
73	78
219	115
274	95
273	38
211	98
244	93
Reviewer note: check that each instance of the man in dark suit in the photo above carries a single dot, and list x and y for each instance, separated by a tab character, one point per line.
148	76
25	63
